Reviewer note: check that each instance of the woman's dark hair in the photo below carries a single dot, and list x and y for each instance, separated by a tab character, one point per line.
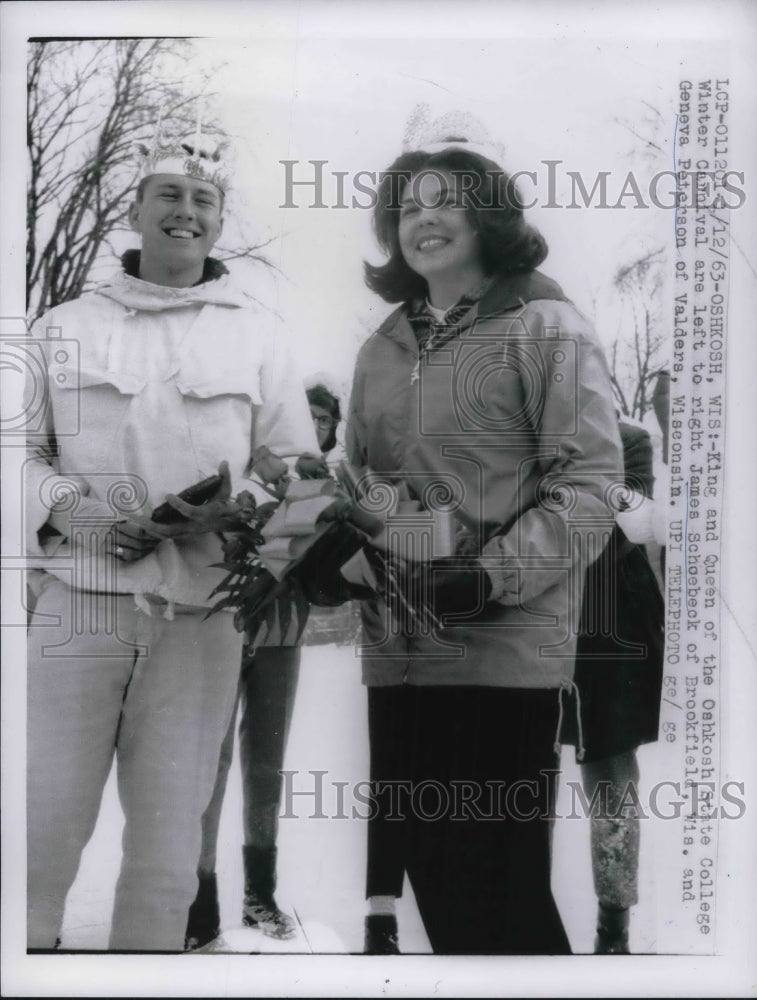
319	395
508	244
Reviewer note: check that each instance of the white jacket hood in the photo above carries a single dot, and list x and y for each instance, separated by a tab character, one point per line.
217	288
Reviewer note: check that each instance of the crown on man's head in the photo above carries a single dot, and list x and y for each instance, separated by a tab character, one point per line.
452	130
194	155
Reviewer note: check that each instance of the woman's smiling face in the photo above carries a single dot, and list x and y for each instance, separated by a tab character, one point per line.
435	233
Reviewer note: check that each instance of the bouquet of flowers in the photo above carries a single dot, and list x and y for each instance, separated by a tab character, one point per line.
284	555
266	548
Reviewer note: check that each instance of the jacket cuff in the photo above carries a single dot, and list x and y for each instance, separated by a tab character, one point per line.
660	523
637	523
504	580
80	509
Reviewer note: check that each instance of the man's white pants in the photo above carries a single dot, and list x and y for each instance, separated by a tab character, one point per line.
106	678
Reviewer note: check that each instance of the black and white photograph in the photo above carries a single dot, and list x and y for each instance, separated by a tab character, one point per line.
379	609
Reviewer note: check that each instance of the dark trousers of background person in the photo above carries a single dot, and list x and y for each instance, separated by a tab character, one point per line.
267	687
482	885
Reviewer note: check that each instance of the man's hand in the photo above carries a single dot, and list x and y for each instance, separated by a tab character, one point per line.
133	539
130	540
218	514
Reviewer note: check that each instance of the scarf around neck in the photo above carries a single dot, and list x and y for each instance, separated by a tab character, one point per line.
212	269
430	332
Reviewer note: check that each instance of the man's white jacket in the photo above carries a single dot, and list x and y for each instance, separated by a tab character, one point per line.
145	389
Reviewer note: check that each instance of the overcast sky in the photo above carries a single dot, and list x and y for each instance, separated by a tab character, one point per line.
338	81
347	101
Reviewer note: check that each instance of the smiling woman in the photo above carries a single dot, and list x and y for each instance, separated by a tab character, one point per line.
457	198
486	383
436	236
179	219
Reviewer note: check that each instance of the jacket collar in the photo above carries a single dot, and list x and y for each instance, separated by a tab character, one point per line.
514	290
510	291
132	292
212	269
397	327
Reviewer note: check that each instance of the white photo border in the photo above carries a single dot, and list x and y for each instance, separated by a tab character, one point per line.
733	971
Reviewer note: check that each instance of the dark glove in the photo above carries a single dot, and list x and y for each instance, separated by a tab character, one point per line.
454	585
319	572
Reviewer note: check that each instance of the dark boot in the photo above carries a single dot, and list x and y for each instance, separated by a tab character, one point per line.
260	909
381	934
204	923
612	931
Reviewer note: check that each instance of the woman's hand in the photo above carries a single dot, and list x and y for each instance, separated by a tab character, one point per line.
403	536
402	541
454	585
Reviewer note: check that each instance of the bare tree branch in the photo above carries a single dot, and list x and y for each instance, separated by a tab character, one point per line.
635	360
89	103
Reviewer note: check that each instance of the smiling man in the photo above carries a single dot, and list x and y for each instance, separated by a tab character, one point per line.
179	219
179	373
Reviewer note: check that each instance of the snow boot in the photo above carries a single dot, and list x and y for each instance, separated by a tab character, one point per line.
381	934
612	931
260	909
204	922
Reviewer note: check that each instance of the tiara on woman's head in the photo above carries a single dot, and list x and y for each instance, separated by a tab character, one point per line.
455	129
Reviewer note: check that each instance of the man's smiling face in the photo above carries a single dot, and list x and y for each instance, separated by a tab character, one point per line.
179	219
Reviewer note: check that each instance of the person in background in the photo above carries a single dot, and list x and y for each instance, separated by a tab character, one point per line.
488	383
326	414
619	661
178	369
267	691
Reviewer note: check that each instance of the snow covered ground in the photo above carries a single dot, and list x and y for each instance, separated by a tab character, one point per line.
322	860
